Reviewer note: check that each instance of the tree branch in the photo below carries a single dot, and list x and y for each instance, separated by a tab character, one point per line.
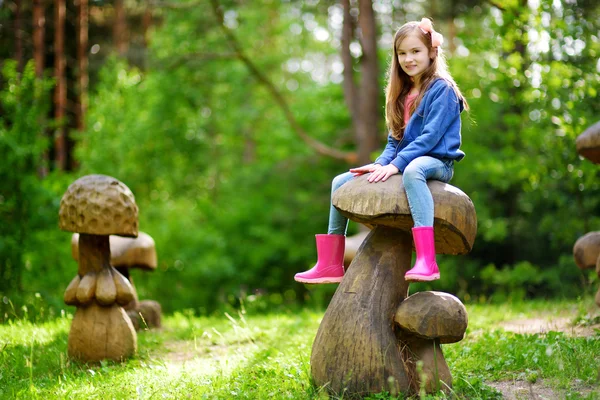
175	5
318	146
495	4
201	57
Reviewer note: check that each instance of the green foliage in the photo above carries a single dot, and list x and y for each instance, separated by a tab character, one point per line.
233	197
230	194
25	204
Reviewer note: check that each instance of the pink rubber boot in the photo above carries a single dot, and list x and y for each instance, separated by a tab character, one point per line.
330	263
425	268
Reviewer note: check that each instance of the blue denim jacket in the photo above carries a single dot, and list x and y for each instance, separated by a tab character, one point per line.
433	129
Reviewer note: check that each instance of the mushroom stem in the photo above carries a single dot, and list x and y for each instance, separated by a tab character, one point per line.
433	374
356	348
94	253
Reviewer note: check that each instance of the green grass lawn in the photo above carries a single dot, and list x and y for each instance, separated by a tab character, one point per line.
240	355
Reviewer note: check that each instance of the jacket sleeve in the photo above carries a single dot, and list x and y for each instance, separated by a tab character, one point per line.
389	152
441	112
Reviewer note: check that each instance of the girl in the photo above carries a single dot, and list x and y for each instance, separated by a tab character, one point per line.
423	106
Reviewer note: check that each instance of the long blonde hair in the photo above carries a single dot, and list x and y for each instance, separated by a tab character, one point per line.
399	83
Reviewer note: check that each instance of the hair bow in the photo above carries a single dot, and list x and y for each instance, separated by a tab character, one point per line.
436	38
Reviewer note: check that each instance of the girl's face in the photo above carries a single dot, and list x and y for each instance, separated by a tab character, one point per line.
413	56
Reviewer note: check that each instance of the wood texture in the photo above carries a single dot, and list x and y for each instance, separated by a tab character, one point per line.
87	288
433	315
126	252
106	291
385	204
99	205
147	315
70	296
356	348
588	143
101	333
586	250
434	374
126	293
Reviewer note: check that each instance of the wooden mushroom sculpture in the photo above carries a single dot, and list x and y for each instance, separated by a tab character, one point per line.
357	348
426	320
127	253
586	253
588	246
97	206
597	299
588	143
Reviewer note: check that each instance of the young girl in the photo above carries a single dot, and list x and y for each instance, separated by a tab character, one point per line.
423	106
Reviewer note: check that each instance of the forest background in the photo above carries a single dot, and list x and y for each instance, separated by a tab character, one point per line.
229	118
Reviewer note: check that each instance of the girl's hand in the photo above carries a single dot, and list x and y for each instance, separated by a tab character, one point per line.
358	171
382	173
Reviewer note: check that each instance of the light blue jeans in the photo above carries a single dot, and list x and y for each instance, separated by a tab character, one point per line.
415	179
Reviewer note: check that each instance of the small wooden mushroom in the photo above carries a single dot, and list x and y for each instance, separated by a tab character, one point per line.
356	350
598	273
586	250
586	253
588	143
127	253
426	320
97	206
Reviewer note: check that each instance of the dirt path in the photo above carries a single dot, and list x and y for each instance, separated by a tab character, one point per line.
544	325
523	390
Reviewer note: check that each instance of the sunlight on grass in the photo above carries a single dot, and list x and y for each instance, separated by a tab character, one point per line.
236	355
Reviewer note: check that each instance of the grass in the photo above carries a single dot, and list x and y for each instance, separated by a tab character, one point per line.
237	355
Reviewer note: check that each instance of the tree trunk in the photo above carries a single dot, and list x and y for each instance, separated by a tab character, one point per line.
350	90
368	127
120	29
363	103
18	36
82	62
39	22
146	24
60	93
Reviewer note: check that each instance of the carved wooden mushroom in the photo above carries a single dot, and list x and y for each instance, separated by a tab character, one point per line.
586	250
426	320
587	247
597	299
97	206
586	253
127	253
588	143
356	349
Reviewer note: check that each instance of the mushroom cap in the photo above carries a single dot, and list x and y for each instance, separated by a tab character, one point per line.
586	250
433	315
126	252
385	203
588	143
99	205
